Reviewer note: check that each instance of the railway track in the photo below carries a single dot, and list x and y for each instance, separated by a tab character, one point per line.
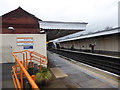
106	63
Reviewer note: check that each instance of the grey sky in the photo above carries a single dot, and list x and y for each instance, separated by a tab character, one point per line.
98	13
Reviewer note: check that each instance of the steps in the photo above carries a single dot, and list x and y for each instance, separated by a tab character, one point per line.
58	73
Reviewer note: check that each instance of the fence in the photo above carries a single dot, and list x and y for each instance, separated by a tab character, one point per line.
21	66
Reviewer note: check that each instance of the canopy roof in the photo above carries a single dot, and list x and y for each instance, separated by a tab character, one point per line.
56	29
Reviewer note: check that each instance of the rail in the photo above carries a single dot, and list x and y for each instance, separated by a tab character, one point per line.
20	67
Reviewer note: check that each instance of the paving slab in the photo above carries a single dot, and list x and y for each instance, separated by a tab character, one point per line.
56	83
7	84
80	78
90	83
7	75
58	72
76	77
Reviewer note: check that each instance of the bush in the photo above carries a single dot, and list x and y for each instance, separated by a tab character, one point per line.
43	77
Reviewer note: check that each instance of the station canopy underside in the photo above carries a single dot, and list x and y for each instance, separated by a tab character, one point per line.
57	33
55	29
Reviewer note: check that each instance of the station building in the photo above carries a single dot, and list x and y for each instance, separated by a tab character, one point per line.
104	42
24	31
20	31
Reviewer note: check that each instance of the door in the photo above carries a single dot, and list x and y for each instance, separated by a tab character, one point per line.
7	54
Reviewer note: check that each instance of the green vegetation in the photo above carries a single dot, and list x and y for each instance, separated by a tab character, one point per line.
43	77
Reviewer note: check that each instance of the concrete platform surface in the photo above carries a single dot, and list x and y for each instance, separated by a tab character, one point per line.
77	77
7	76
58	72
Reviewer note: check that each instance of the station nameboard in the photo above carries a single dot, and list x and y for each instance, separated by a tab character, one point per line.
27	47
23	41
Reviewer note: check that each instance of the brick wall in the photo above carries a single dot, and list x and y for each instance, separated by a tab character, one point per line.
22	21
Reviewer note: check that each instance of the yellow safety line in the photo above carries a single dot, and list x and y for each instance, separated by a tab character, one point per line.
102	74
99	73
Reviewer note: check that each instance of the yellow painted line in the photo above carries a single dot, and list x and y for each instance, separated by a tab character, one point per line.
111	80
102	73
101	77
97	72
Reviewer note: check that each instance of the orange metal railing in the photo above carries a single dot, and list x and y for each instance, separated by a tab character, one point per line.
20	67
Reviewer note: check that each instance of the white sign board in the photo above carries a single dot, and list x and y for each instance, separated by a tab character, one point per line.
22	41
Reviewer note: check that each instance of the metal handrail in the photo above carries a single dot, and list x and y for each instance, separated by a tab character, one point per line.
31	81
23	65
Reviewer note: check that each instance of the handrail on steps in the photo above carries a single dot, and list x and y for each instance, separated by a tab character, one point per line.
20	67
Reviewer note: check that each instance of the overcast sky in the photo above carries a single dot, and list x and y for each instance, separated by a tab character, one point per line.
98	13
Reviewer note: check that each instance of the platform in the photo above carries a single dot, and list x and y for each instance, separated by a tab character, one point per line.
58	73
7	82
79	76
106	63
89	53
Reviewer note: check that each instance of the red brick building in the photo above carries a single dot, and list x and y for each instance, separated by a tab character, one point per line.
20	21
